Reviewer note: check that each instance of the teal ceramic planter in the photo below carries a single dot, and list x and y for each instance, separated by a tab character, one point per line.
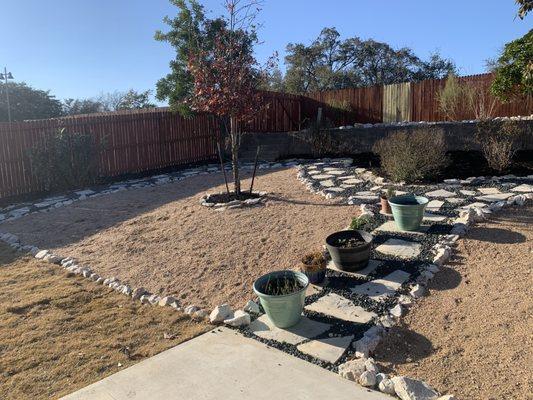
408	211
284	311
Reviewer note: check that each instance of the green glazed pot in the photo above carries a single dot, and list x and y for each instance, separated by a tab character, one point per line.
284	311
408	211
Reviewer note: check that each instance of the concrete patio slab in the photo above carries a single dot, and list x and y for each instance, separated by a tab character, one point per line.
224	365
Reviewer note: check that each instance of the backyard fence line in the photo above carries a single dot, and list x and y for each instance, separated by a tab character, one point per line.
132	143
149	139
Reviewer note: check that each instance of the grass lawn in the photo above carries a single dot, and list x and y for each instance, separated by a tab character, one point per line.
60	332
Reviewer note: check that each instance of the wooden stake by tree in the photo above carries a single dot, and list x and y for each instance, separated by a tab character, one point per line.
226	77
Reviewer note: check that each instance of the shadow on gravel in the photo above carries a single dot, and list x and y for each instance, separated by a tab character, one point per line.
496	235
447	278
409	346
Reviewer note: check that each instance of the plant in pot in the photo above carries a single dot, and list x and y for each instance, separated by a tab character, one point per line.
282	295
385	206
408	211
350	249
313	265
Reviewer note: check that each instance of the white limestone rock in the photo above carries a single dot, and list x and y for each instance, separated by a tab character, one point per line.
190	310
412	389
137	293
220	313
352	369
396	311
41	254
418	291
199	315
166	301
252	307
386	386
371	366
368	379
240	318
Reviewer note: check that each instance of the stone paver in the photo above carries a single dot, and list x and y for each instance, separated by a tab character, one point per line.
400	248
327	183
525	188
429	217
488	190
353	181
434	205
454	200
390	226
327	349
494	197
473	205
340	307
380	289
224	365
468	192
303	330
336	172
441	193
335	189
363	273
322	176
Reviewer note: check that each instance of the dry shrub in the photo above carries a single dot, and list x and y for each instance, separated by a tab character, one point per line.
412	156
498	141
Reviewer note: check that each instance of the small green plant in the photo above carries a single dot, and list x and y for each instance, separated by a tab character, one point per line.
358	223
412	156
391	193
65	160
282	285
498	142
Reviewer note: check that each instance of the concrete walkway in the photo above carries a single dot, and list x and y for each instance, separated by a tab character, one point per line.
222	364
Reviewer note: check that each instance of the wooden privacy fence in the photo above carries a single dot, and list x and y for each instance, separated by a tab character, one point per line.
410	101
133	142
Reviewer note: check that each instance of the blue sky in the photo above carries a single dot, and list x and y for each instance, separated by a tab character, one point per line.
80	48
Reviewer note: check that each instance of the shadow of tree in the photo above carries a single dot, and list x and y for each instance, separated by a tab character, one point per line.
496	235
402	345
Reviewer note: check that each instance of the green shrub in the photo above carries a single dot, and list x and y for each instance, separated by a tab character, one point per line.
498	141
412	156
65	160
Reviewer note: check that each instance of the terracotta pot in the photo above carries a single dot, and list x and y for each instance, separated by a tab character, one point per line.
385	206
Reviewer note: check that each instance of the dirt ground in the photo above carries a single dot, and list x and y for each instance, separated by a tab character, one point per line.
59	333
161	238
472	337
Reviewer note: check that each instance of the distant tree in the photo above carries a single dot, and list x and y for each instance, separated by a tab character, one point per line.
190	32
134	100
81	106
273	81
514	69
226	76
525	6
110	101
332	63
27	103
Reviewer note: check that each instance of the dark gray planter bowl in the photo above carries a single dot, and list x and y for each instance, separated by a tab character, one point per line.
350	259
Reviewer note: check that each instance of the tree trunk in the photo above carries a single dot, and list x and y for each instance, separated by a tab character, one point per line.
235	157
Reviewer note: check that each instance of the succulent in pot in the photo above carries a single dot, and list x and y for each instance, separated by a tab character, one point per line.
408	211
385	206
350	249
282	295
314	266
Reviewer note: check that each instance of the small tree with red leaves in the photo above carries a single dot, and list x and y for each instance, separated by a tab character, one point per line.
226	77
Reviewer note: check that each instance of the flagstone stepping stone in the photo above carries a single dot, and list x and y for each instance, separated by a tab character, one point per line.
353	181
400	248
390	226
303	330
434	205
380	289
336	172
313	288
454	200
473	205
327	183
468	192
433	217
494	197
335	189
342	308
327	349
363	273
489	190
322	176
525	188
347	186
440	193
314	172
